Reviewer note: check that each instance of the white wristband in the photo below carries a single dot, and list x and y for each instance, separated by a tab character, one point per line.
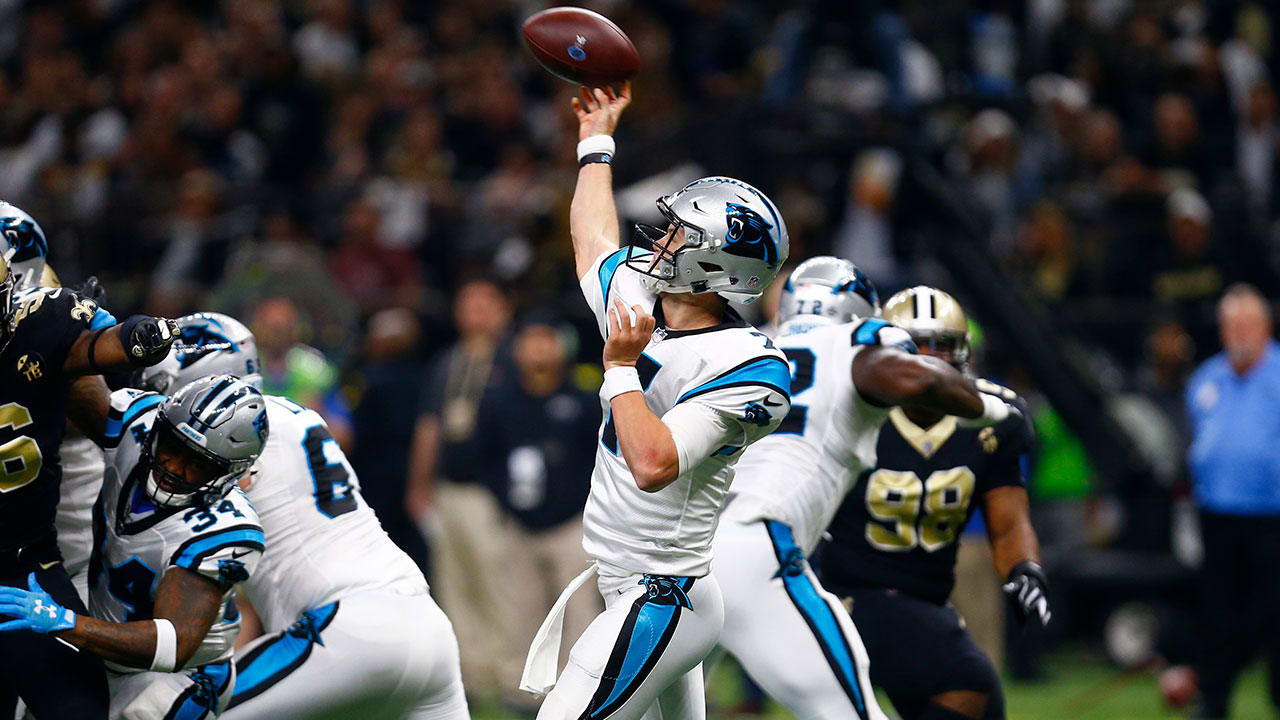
994	410
166	647
597	144
620	380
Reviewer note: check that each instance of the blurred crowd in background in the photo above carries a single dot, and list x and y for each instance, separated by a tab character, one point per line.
380	189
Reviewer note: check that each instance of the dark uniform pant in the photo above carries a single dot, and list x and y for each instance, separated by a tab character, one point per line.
1240	596
54	680
920	649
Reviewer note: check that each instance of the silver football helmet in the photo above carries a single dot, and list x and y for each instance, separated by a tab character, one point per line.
734	241
828	287
21	234
203	440
207	344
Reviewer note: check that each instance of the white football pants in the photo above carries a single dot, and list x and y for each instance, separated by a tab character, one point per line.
197	694
642	656
372	655
791	636
82	469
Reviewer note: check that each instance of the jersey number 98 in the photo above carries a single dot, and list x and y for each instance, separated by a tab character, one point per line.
912	513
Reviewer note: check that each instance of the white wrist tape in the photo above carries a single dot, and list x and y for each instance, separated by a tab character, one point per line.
597	144
994	410
166	647
620	380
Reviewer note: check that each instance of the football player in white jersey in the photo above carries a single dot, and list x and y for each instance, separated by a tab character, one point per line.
849	369
351	629
175	536
687	386
82	459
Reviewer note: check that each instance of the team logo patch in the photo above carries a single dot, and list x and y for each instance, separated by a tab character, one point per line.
231	571
756	414
30	367
749	235
988	440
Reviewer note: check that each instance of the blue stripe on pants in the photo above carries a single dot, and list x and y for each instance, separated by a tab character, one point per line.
816	612
273	660
200	701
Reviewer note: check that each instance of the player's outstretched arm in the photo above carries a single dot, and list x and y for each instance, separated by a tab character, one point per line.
593	219
185	601
889	376
1016	551
645	441
139	341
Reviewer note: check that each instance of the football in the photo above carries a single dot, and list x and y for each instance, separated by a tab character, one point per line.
581	46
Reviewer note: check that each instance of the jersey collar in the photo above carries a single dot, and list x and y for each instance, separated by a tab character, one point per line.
731	320
926	442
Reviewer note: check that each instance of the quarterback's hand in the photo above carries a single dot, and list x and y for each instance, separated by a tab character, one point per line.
1027	590
598	109
627	339
149	340
33	609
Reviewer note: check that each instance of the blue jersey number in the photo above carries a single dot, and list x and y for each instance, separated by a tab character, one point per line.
802	362
130	583
333	493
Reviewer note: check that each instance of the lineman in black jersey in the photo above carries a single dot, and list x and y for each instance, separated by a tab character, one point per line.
893	543
46	342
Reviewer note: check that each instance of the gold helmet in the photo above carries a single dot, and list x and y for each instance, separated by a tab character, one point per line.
7	283
935	321
49	278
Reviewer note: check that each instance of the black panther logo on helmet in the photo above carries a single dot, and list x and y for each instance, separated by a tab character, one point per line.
749	235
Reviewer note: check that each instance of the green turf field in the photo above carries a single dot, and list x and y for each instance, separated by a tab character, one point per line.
1079	687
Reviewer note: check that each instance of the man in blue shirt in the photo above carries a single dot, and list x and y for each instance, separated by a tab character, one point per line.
1233	402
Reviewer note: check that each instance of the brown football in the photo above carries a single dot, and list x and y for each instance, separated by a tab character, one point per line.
581	46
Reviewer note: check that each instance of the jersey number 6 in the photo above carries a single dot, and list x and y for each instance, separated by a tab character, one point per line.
20	457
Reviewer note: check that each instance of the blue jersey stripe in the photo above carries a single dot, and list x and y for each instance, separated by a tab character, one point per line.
193	552
769	371
607	270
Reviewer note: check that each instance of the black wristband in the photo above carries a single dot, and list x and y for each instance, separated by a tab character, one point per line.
596	157
93	362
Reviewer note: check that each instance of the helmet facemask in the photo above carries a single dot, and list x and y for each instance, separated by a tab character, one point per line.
650	253
204	476
7	284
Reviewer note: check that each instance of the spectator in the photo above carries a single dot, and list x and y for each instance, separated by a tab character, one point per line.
375	275
1233	401
383	423
443	488
295	370
1187	270
540	473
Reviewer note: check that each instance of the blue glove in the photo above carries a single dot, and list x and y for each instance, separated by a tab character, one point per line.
33	609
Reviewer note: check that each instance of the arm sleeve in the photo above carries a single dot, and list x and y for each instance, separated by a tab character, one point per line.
724	421
610	278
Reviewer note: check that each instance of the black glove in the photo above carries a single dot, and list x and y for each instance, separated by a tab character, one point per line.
1028	592
92	289
150	338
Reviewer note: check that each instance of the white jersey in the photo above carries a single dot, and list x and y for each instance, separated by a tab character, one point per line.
732	375
323	541
801	473
82	469
139	541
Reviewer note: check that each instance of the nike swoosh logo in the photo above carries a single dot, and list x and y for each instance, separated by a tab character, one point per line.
235	554
771	404
46	566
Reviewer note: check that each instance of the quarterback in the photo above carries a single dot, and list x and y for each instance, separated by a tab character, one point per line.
687	386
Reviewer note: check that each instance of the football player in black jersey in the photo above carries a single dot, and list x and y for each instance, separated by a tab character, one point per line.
47	342
893	543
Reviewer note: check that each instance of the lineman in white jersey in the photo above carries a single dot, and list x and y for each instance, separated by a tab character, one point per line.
175	535
350	628
848	369
687	386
